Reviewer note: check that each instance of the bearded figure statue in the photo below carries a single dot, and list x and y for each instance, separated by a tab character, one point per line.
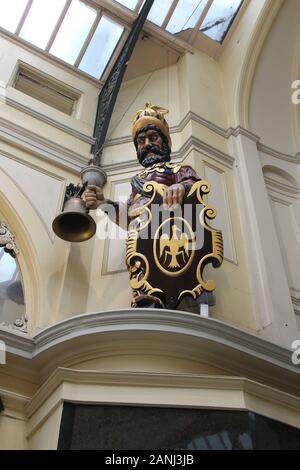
151	137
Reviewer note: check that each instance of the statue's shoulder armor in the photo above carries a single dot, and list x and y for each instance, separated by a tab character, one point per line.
160	168
174	167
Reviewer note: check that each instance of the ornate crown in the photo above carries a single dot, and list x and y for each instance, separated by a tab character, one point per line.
151	114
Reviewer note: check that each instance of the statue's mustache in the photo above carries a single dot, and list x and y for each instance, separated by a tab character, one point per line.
150	149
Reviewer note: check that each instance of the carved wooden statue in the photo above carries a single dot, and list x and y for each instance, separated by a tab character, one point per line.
169	240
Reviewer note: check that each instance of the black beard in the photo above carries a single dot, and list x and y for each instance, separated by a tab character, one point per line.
157	155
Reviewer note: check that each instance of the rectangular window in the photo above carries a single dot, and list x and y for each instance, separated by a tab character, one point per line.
46	89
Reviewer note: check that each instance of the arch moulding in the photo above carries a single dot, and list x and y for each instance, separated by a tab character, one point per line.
13	204
257	40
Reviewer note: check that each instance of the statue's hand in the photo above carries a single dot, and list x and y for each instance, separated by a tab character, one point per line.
173	195
93	196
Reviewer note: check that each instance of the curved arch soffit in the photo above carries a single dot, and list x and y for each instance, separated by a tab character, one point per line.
255	46
13	204
279	174
296	77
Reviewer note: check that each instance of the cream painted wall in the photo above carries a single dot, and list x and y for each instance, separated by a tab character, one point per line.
233	287
13	433
45	437
11	53
83	119
159	87
204	79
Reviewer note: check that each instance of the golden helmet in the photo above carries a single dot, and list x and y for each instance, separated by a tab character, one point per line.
151	114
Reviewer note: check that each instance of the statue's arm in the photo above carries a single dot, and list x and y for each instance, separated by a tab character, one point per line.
187	177
116	211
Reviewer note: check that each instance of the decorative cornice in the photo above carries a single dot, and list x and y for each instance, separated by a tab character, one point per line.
183	334
168	321
281	188
280	155
239	130
191	116
34	143
13	402
48	120
193	143
19	324
226	134
158	380
73	161
19	342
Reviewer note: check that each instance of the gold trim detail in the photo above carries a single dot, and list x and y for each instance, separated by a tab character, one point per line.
172	246
216	256
160	168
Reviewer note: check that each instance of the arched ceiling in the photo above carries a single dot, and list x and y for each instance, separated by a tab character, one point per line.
272	115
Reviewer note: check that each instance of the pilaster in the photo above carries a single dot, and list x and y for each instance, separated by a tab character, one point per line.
271	295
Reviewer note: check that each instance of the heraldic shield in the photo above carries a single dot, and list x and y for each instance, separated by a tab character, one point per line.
167	250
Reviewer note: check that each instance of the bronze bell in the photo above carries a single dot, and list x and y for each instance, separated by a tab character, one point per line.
74	224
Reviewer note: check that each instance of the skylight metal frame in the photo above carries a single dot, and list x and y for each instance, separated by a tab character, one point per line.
169	14
58	25
23	17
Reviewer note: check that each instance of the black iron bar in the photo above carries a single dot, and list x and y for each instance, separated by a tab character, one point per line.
110	90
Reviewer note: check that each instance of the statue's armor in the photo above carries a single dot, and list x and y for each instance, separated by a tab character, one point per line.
163	173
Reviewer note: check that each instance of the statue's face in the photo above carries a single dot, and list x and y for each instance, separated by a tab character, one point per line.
151	148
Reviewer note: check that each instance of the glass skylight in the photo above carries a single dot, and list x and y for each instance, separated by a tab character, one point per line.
96	58
129	3
40	21
73	31
159	11
186	15
11	14
219	18
70	30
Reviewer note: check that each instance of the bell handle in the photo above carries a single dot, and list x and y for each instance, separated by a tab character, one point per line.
82	189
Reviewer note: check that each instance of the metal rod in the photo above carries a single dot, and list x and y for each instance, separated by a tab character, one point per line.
110	90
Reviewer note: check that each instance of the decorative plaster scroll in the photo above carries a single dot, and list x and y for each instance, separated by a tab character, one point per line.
20	324
7	239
